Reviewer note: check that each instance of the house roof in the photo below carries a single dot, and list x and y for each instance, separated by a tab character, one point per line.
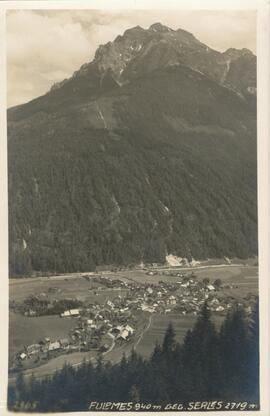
124	334
54	345
74	311
23	355
129	328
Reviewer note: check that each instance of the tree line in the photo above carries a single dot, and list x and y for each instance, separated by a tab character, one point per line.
209	365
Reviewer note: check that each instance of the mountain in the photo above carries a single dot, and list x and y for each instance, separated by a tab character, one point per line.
147	150
141	51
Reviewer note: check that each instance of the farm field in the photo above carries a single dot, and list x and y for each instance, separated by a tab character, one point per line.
237	274
70	287
76	285
159	324
229	274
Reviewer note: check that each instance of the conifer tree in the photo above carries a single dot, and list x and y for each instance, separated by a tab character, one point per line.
200	357
156	355
169	340
234	347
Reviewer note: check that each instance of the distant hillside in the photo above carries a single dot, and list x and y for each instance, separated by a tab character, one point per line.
150	149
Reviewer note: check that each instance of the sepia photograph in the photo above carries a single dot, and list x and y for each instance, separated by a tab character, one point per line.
132	175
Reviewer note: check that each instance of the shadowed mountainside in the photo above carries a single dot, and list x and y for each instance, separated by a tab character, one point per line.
147	150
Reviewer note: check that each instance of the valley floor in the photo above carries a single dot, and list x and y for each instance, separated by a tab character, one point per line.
238	282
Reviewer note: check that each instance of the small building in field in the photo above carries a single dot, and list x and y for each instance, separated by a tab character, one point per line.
70	312
22	356
31	312
74	312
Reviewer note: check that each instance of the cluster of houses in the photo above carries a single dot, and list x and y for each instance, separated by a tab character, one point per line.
45	346
96	333
101	326
184	296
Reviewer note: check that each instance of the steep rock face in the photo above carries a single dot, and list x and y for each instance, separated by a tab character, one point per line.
116	167
241	70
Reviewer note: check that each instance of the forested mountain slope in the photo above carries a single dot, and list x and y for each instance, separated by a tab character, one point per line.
130	160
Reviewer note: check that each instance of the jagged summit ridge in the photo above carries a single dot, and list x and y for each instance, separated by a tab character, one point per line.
237	53
139	51
159	27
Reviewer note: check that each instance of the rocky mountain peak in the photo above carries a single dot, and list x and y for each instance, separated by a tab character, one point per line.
133	31
234	53
140	51
127	54
159	27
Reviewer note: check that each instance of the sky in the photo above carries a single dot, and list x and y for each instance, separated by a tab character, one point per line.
44	47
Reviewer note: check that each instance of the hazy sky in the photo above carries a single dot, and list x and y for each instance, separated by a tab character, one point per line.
44	47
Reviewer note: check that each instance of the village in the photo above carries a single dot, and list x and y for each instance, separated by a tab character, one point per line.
103	326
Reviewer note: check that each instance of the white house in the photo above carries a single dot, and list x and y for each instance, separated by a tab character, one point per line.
54	346
23	356
74	312
110	304
124	334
